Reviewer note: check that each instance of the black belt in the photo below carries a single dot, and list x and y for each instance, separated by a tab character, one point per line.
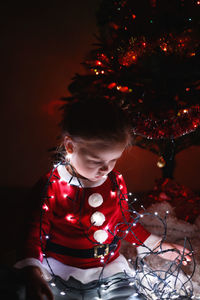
96	252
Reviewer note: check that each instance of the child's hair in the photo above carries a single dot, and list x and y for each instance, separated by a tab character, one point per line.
95	119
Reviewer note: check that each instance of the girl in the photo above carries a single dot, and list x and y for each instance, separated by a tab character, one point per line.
80	212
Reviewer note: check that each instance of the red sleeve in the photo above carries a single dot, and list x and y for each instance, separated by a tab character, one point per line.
40	205
130	229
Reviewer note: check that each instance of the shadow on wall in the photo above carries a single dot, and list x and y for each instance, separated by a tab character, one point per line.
14	206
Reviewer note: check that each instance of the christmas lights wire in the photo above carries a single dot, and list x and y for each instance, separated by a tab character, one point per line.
148	282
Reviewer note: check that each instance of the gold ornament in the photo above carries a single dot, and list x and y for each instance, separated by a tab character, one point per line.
161	162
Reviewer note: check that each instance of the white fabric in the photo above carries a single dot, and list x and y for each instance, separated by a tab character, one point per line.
120	264
95	200
151	242
27	262
66	176
100	235
97	218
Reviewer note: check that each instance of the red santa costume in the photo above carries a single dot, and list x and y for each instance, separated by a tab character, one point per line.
74	227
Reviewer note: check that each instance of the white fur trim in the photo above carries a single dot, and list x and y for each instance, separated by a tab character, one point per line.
97	218
151	242
120	264
66	176
35	263
100	236
95	200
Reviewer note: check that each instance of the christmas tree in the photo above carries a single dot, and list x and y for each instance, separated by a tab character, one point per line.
147	61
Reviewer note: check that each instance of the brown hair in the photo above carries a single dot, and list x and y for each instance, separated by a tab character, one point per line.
95	119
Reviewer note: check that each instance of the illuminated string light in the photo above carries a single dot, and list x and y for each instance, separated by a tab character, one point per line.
62	293
53	284
143	272
45	207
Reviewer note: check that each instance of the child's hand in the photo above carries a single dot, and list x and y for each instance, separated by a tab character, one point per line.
36	286
179	253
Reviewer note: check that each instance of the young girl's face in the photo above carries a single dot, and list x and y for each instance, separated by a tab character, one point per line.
94	159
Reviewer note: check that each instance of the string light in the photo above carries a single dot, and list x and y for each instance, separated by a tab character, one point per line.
62	293
45	207
70	218
143	274
53	284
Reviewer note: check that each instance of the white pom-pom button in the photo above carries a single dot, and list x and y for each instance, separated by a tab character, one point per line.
100	236
95	200
97	218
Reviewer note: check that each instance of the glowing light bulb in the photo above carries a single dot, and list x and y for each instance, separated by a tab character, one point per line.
63	293
45	207
53	284
156	213
70	218
112	193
